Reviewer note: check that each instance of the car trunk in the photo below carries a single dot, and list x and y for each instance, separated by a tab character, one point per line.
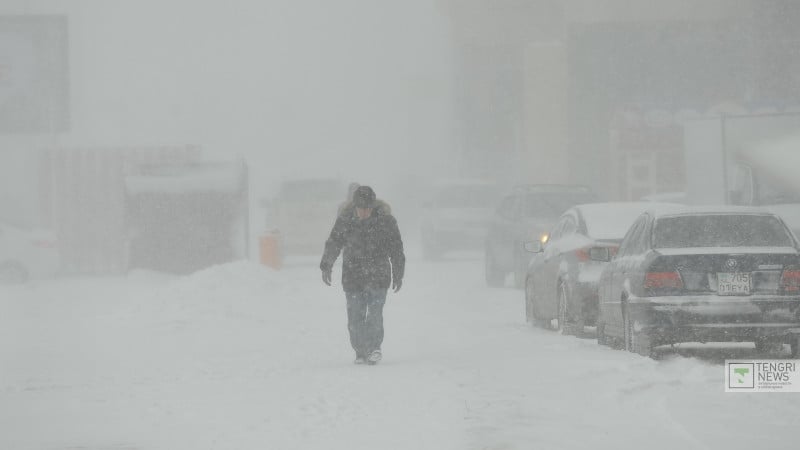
728	271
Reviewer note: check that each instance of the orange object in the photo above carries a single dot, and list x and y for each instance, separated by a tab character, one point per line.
270	250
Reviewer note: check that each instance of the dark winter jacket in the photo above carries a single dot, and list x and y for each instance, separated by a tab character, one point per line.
372	250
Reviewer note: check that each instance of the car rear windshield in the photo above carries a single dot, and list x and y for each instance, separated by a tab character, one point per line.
552	204
721	231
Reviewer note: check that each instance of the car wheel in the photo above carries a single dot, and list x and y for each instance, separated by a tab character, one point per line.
635	341
12	273
562	314
530	310
627	330
605	339
602	339
494	277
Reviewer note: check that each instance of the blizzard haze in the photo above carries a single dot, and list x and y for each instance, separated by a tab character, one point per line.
355	87
163	295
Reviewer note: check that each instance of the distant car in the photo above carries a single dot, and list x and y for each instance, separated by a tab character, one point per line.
303	212
686	274
671	197
457	216
27	254
525	215
561	282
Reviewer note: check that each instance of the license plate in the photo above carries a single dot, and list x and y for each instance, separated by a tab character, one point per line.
733	283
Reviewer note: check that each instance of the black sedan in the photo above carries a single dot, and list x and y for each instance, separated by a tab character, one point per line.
701	275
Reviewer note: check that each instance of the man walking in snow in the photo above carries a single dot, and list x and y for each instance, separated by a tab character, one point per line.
367	235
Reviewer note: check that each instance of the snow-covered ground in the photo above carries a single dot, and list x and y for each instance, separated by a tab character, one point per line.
242	357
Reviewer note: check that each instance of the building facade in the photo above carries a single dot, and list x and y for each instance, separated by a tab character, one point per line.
593	92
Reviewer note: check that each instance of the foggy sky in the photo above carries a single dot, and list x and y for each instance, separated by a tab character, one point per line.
356	89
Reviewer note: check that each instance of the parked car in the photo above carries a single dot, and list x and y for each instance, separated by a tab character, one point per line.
27	254
457	216
525	215
561	282
685	274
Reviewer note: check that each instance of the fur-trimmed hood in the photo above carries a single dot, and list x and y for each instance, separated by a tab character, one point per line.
382	208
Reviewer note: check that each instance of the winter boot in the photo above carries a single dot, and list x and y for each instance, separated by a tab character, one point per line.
374	357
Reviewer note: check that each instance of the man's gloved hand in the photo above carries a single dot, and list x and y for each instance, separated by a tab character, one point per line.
326	277
397	284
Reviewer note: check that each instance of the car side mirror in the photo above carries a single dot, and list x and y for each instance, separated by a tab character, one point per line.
602	254
533	246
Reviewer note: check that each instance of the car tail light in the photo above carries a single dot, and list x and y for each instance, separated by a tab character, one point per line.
790	280
44	243
582	254
663	280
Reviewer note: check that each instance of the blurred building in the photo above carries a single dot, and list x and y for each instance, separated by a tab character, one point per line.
594	92
112	208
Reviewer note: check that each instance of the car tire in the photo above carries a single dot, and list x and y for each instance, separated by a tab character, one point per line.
605	339
579	328
635	341
602	338
530	311
627	330
494	277
13	273
562	311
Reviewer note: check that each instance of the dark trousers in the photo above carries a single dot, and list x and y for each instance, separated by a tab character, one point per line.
365	320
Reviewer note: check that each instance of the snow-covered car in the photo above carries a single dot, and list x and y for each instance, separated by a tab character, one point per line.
561	282
525	214
710	274
27	254
457	216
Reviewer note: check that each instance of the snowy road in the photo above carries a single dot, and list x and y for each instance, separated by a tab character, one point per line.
241	357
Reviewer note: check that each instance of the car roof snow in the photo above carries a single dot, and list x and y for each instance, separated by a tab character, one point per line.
682	210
